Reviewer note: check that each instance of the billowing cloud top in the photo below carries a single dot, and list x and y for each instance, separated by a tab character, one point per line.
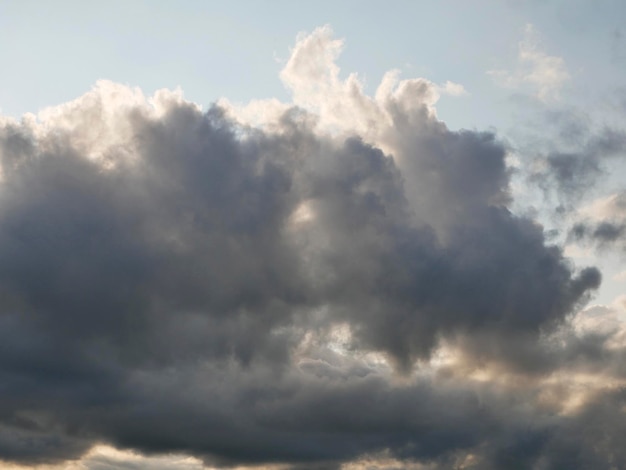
336	282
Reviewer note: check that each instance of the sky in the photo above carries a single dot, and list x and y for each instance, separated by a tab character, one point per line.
313	235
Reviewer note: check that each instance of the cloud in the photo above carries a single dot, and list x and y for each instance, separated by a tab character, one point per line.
621	276
618	46
324	283
452	89
542	73
566	153
602	223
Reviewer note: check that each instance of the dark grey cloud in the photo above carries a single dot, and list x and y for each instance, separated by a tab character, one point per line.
602	233
174	283
605	228
574	168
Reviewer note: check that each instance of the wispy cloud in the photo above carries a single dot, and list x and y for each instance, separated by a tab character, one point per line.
544	74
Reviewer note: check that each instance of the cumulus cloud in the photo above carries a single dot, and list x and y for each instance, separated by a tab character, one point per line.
337	282
544	74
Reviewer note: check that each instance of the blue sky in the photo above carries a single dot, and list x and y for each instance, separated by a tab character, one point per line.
339	234
233	49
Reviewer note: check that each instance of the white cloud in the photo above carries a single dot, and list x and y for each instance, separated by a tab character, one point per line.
612	207
452	89
621	276
544	74
312	76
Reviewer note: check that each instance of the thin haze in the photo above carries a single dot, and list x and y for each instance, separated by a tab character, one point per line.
330	274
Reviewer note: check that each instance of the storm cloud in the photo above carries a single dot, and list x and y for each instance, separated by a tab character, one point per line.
317	284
